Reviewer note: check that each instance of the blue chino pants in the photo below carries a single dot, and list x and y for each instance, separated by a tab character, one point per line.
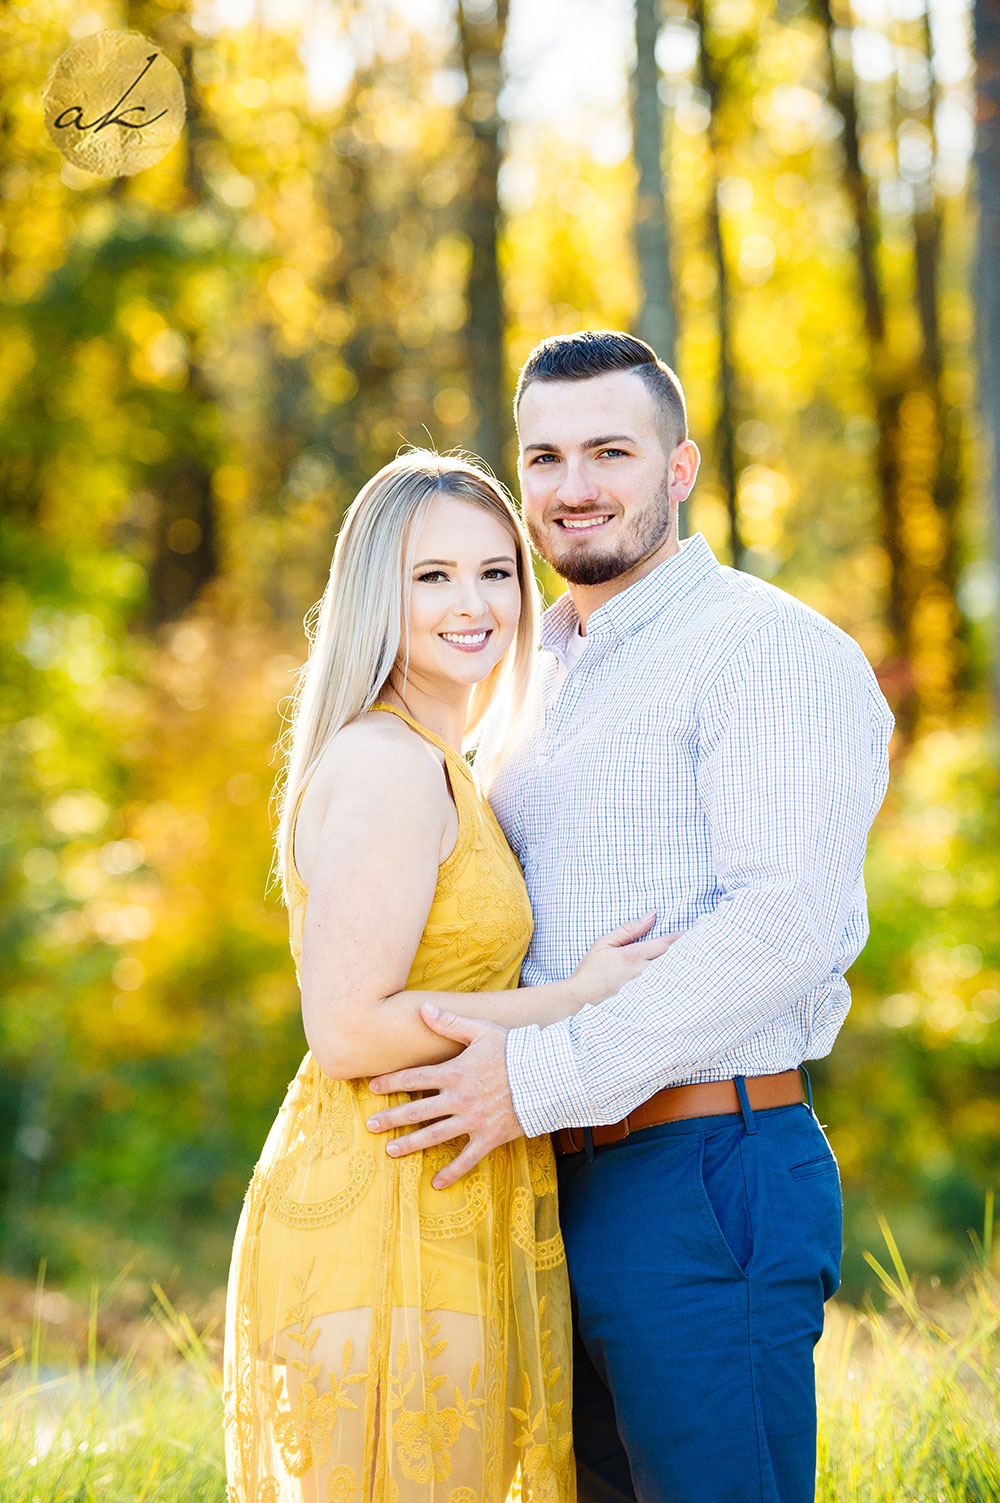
700	1254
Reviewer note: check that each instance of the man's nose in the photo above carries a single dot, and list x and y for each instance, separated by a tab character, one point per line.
578	484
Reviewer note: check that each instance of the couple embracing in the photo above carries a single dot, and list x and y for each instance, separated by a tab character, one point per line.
571	1232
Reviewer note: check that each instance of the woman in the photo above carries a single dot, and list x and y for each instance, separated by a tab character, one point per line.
387	1342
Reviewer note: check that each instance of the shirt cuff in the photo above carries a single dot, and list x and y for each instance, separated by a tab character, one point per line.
545	1085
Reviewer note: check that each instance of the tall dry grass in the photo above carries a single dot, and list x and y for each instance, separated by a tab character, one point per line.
909	1404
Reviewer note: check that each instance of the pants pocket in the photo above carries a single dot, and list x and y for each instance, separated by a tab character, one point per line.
816	1208
726	1200
825	1165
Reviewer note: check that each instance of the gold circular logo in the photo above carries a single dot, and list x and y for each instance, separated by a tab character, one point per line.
114	104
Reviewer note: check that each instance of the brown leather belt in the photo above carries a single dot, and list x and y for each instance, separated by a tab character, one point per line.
709	1098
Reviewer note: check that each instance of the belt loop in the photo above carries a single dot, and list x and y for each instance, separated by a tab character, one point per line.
741	1090
588	1144
809	1087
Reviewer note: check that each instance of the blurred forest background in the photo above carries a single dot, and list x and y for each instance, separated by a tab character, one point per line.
375	211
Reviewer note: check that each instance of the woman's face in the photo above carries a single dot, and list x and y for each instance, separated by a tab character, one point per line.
465	599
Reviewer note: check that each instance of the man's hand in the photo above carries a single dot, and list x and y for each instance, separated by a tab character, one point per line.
472	1096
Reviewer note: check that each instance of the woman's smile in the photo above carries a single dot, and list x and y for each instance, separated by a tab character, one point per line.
467	641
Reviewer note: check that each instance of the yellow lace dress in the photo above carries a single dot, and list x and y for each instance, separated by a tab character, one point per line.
387	1342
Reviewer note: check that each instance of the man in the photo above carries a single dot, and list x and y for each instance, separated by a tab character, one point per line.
715	750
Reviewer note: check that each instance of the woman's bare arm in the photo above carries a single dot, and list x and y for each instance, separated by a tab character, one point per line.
371	830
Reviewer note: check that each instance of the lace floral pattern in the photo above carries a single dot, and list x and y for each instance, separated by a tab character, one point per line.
387	1342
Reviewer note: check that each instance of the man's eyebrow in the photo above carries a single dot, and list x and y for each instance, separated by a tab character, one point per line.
450	563
588	443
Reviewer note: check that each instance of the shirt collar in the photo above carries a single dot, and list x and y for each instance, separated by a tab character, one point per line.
639	604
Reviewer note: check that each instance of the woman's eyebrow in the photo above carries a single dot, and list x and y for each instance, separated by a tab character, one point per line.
450	563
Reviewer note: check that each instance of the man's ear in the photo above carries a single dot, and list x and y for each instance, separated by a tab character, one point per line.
682	470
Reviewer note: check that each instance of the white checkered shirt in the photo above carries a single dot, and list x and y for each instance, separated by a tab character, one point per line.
718	753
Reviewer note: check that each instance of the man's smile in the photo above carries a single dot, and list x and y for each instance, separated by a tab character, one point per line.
584	524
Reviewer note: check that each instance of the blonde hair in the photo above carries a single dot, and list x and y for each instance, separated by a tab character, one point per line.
359	627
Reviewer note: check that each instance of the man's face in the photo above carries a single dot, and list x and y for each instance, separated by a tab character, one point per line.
599	491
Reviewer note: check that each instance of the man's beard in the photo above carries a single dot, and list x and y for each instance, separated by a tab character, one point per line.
589	566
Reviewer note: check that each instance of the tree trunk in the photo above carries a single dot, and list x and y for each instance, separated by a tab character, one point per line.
186	544
657	321
856	184
725	431
888	390
987	30
937	580
481	34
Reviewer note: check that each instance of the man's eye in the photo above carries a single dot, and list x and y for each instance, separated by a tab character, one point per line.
612	453
542	458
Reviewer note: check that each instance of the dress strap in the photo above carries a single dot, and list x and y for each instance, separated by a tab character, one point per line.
465	793
421	730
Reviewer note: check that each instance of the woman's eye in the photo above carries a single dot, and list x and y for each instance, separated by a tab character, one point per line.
497	573
431	576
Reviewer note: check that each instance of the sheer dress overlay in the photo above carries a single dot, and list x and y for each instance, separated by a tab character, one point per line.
387	1342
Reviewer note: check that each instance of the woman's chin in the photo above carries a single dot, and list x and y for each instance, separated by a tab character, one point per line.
469	673
464	667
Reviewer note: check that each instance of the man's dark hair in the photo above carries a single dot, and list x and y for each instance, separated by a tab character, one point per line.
595	352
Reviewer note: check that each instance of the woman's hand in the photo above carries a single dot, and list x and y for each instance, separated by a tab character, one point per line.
616	958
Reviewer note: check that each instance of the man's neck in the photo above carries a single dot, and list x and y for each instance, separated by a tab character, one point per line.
589	598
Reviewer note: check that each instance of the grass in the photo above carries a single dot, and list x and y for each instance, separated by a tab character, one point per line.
910	1399
130	1428
909	1403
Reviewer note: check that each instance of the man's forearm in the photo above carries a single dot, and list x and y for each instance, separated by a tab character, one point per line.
714	990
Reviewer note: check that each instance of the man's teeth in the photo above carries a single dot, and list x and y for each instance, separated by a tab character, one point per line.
465	637
582	522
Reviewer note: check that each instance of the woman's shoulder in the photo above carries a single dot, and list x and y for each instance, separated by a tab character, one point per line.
374	782
379	745
372	761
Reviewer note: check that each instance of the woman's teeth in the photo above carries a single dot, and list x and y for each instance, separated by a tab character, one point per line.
465	638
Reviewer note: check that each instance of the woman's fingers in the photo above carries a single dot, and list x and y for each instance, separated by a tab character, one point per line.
650	949
632	929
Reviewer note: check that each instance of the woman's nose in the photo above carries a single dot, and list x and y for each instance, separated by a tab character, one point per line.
471	600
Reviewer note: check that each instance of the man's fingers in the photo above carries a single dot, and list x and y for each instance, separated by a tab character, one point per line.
427	1137
449	1024
405	1113
421	1078
461	1164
